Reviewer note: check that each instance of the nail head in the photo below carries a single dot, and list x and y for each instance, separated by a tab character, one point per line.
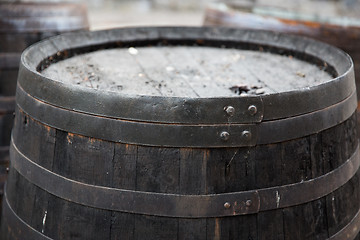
225	136
246	134
230	110
252	109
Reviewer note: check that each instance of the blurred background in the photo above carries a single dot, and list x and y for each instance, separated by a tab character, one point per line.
117	13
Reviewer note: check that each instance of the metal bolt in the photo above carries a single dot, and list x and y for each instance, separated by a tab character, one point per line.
252	109
7	169
225	136
227	205
248	203
246	134
230	110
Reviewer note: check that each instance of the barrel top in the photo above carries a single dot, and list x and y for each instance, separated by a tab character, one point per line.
187	71
270	56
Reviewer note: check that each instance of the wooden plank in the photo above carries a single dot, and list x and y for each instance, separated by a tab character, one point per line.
67	220
149	227
122	225
157	170
35	140
84	159
344	202
268	169
193	166
30	202
231	170
306	221
342	205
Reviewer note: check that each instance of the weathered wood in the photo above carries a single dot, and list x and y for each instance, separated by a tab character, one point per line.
187	72
119	190
205	164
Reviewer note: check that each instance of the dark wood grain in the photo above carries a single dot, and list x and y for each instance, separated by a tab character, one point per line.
185	171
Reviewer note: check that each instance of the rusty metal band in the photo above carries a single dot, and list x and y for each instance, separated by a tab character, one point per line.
186	110
183	206
18	228
10	60
176	135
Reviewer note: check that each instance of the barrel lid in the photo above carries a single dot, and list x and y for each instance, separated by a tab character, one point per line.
183	109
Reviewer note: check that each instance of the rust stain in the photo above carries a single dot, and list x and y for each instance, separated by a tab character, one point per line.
217	229
127	146
69	138
47	128
206	154
296	23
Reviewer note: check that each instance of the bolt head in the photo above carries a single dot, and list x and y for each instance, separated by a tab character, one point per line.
248	203
230	110
227	205
224	136
7	169
246	134
252	109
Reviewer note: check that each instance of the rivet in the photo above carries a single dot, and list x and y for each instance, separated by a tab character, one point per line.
248	203
252	109
227	205
230	110
225	136
246	134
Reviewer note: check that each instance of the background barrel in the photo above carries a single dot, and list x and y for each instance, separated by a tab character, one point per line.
138	161
22	24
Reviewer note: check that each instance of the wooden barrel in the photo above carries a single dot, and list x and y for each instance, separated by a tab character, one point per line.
22	24
183	133
331	22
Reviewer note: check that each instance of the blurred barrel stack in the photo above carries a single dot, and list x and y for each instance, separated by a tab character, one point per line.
23	24
334	22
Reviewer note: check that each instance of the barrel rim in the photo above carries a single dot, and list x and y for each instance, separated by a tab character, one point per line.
182	109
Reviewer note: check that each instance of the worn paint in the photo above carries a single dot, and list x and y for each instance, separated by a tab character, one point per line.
69	138
277	199
43	222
